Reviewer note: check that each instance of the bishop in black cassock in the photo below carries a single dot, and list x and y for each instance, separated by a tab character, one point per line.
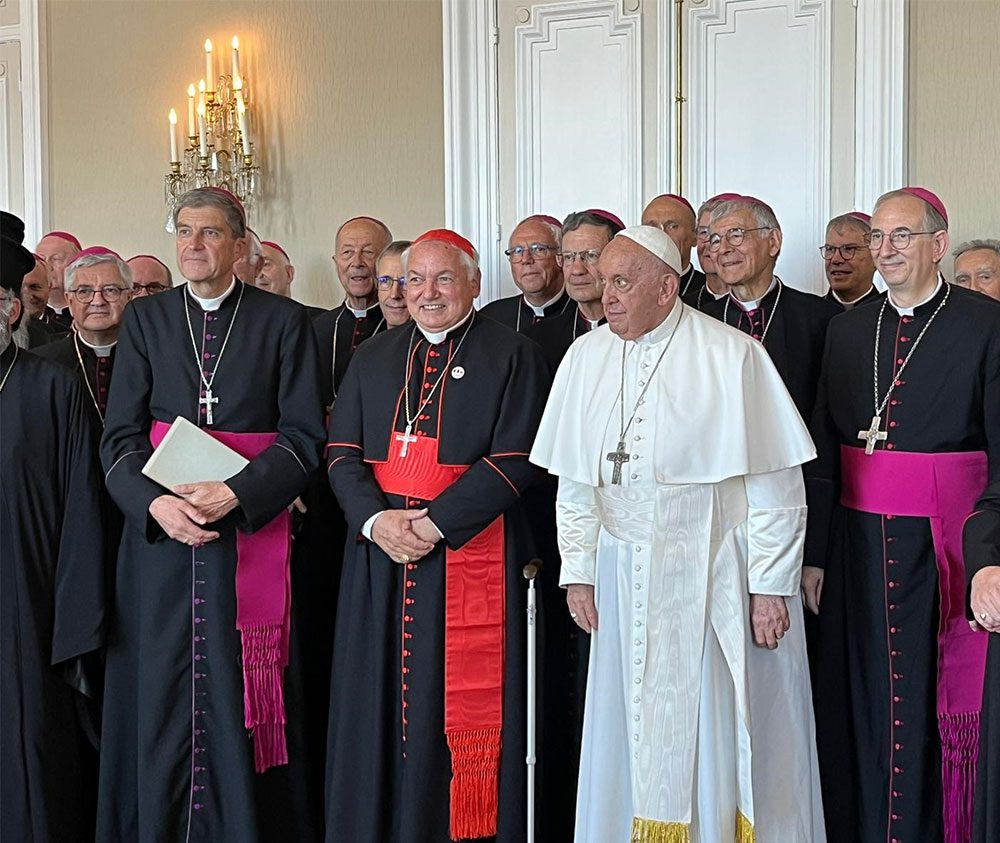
428	456
903	459
201	721
52	587
675	216
982	553
90	349
536	266
848	262
58	249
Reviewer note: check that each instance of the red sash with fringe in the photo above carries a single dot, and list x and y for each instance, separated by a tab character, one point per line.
263	611
942	488
474	642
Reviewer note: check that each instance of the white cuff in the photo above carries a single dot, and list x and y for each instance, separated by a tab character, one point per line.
366	528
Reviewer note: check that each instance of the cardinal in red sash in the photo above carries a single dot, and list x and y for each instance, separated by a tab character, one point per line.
428	456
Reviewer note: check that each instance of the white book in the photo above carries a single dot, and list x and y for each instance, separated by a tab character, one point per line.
188	454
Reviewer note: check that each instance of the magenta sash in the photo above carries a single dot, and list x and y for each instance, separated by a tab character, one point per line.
263	611
942	488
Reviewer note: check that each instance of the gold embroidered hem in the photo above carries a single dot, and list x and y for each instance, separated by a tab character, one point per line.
656	831
744	829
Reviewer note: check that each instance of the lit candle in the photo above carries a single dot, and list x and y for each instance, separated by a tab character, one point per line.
173	137
244	131
209	70
236	57
202	142
190	111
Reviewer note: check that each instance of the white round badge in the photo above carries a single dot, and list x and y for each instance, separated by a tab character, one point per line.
458	373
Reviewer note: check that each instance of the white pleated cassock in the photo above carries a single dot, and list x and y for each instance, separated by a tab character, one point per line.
690	731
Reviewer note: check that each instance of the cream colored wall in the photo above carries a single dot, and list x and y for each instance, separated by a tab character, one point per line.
349	104
954	111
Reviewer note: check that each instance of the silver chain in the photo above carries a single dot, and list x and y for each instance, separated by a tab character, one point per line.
879	407
409	373
86	380
201	371
649	379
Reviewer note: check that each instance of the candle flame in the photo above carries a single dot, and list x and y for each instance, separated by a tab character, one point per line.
208	45
236	43
173	117
201	85
191	90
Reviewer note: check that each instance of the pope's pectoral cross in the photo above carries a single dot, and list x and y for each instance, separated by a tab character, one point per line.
618	457
208	400
872	435
406	438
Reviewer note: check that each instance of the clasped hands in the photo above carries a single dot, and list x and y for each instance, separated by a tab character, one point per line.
406	535
184	514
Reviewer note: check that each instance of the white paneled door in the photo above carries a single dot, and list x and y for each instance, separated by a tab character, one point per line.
573	104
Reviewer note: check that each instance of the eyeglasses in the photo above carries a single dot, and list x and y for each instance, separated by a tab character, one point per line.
515	254
846	252
590	256
898	237
147	289
85	295
385	282
734	237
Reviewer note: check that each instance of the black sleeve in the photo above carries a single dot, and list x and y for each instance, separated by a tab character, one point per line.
125	446
351	478
496	480
277	476
822	474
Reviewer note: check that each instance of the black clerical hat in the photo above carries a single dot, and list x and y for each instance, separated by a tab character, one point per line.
15	260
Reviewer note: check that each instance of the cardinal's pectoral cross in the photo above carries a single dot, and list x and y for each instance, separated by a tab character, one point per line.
618	457
208	400
872	435
406	438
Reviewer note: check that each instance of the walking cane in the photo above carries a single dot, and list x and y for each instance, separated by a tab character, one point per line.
531	571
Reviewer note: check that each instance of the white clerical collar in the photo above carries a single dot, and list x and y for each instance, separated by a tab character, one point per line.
440	336
662	331
852	302
99	350
58	310
908	311
753	304
540	309
594	323
362	312
715	295
209	305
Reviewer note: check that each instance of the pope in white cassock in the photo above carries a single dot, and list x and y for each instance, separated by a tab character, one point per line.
681	516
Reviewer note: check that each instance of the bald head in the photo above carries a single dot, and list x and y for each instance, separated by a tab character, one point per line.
676	218
59	253
149	276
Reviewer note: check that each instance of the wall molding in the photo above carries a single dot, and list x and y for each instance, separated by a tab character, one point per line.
29	32
471	131
540	36
881	90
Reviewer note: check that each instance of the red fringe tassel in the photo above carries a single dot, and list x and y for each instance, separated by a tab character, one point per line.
263	695
475	783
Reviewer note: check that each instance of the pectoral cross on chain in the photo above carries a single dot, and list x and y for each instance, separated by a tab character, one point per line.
872	435
208	400
618	457
406	438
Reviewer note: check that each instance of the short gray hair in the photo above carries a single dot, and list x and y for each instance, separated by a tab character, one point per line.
394	249
205	197
124	270
933	221
975	245
849	221
555	230
762	214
